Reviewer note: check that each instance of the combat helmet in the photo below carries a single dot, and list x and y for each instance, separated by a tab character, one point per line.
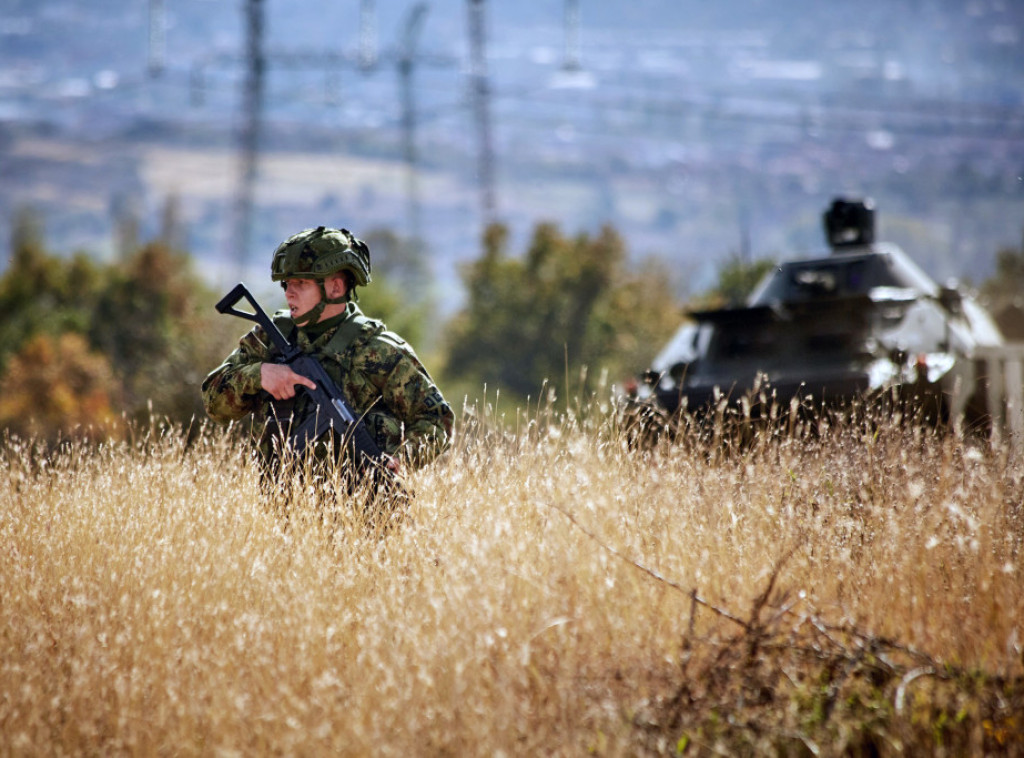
318	253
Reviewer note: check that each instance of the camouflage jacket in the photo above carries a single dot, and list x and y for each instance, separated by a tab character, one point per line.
378	372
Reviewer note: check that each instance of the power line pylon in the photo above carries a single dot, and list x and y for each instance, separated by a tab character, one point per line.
406	63
571	62
367	34
157	37
480	92
252	108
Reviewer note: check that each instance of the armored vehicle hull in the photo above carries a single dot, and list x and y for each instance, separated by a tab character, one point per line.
862	320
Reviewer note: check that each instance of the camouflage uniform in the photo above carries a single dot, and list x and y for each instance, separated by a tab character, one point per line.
378	373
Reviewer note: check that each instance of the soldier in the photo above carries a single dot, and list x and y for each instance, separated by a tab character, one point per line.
379	374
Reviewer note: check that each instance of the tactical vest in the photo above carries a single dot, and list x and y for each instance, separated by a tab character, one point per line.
345	335
283	412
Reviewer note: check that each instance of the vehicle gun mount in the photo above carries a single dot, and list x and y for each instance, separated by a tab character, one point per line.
849	223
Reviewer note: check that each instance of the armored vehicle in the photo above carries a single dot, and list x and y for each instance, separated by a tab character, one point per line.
858	321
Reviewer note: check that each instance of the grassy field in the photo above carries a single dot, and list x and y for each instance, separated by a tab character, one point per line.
852	591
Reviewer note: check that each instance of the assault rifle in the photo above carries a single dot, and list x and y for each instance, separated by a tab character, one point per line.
331	409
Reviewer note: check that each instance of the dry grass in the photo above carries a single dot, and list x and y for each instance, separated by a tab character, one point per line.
552	593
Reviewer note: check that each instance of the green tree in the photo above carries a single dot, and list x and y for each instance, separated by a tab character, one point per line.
154	321
1008	281
1004	292
737	279
400	293
42	294
566	305
148	320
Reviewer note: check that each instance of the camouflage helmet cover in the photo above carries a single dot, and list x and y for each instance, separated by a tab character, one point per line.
318	253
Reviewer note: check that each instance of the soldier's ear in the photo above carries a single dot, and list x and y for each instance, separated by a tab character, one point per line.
336	286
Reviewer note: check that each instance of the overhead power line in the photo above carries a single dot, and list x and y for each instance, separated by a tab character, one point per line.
642	110
253	102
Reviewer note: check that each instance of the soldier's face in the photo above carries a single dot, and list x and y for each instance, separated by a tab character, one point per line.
301	294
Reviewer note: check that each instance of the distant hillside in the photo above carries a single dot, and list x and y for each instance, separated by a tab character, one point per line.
699	130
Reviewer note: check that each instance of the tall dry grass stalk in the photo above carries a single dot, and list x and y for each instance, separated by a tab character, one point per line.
550	593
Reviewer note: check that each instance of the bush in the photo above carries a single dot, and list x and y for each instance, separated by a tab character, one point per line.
135	338
56	386
573	307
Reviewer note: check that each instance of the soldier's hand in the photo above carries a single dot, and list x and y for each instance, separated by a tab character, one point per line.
280	381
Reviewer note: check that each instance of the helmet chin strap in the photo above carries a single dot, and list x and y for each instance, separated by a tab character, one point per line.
313	315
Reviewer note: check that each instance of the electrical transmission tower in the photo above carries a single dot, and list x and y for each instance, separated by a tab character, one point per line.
572	36
481	108
252	106
257	62
367	34
157	37
406	62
